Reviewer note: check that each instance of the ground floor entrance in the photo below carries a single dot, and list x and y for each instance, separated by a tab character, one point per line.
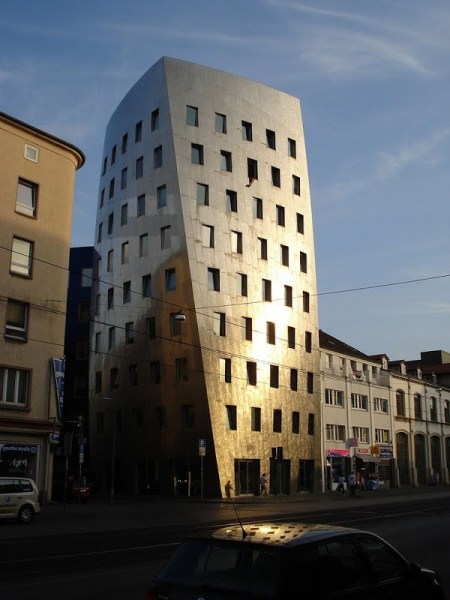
246	476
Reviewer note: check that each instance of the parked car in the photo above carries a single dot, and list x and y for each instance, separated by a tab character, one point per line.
291	560
19	499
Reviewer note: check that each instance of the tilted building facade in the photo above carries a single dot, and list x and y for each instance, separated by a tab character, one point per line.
205	343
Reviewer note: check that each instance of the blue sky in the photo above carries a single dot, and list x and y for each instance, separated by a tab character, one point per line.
373	79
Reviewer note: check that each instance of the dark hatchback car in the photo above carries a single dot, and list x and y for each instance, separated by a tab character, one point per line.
291	560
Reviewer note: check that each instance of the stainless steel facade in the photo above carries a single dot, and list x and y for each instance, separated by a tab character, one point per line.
204	209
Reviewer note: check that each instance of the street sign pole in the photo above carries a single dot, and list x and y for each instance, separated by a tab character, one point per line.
201	452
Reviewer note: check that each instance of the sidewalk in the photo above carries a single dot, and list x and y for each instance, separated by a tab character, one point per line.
139	512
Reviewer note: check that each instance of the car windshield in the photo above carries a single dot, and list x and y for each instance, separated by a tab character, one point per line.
239	567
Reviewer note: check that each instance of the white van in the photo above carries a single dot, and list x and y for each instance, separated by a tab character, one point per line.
19	499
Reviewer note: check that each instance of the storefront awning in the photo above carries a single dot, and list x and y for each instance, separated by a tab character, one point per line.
367	458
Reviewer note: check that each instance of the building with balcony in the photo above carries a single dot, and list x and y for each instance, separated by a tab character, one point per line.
37	173
205	343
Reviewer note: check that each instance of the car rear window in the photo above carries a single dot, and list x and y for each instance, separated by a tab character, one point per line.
237	567
24	485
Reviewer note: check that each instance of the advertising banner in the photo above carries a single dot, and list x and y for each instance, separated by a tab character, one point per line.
59	367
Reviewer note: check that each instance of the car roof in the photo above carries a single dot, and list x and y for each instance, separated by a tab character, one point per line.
280	534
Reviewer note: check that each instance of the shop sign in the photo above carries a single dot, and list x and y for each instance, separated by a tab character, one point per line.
336	453
386	451
18	449
59	368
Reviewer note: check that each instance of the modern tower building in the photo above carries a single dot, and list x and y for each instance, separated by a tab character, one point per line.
37	173
205	339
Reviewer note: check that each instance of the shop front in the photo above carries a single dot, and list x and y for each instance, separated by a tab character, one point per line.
19	459
338	465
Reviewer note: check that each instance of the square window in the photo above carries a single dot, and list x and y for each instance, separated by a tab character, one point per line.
126	292
192	116
21	257
16	320
270	332
197	154
288	295
154	124
256	418
143	244
141	205
270	138
123	179
300	223
202	194
225	161
252	170
291	337
220	123
231	417
247	131
213	280
165	237
129	332
276	177
125	253
225	370
284	255
157	157
303	262
292	148
277	415
281	215
170	280
267	290
208	236
161	196
124	214
251	373
111	188
124	142
242	284
31	153
147	286
26	199
247	328
138	132
257	208
140	166
231	200
296	185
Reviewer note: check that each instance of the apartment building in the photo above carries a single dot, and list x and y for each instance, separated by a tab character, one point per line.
37	172
205	344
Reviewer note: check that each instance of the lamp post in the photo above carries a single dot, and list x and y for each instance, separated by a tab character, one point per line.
113	456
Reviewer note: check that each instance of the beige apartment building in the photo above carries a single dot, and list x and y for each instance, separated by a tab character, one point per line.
37	172
205	347
383	419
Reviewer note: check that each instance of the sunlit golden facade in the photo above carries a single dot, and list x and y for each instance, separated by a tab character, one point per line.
204	209
37	175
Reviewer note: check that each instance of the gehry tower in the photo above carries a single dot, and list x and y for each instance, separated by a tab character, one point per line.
205	327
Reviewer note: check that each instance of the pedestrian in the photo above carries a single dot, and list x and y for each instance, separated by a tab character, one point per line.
341	487
263	484
228	489
352	483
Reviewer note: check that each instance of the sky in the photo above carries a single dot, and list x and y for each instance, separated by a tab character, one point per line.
373	79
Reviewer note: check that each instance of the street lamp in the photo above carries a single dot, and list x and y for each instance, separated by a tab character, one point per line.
113	456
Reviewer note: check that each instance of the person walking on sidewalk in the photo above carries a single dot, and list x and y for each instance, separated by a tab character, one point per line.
340	486
263	484
228	489
352	484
